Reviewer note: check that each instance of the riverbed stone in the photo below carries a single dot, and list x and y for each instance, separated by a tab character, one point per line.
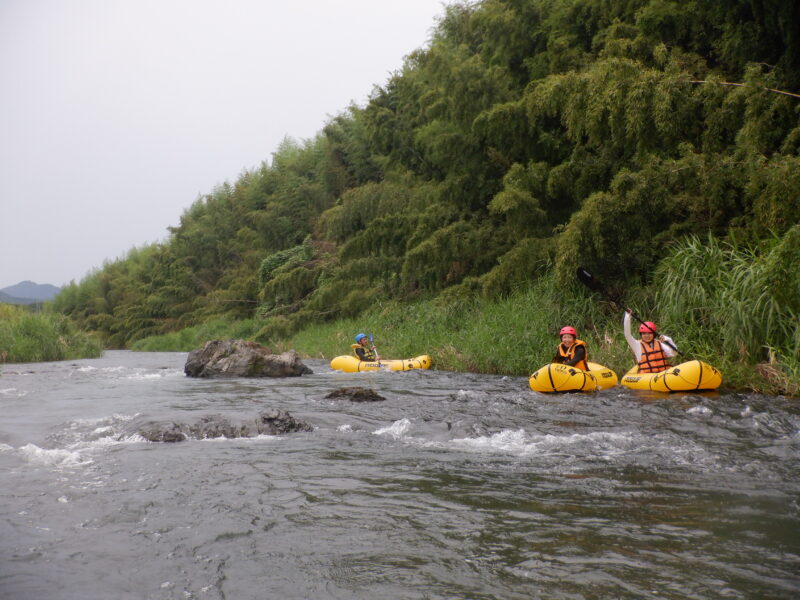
356	394
267	422
242	358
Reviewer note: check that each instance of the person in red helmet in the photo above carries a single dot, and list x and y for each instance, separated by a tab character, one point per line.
651	354
571	351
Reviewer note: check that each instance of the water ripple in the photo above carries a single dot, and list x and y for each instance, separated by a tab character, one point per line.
455	486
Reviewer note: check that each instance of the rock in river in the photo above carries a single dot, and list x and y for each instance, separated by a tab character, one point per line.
268	422
240	358
356	394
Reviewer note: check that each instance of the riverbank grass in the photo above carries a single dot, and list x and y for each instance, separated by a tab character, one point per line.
33	337
518	334
191	338
513	335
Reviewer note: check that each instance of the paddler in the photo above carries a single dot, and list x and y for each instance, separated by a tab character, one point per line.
571	351
651	354
362	350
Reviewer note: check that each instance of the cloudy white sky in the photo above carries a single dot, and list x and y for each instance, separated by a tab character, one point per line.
115	115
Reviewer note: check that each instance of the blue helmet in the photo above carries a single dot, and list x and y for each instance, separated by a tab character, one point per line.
360	337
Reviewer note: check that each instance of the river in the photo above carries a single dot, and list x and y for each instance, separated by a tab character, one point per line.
457	486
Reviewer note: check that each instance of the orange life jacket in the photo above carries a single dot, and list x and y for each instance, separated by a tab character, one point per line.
653	359
566	354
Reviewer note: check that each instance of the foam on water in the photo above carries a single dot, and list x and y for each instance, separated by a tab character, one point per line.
75	455
467	395
143	375
396	430
263	437
518	442
13	393
55	457
605	446
86	431
135	373
619	447
76	444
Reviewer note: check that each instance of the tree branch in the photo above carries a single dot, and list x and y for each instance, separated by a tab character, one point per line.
745	85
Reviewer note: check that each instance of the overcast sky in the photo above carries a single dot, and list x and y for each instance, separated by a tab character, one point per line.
115	115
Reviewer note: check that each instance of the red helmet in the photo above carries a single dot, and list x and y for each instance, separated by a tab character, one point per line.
648	327
569	330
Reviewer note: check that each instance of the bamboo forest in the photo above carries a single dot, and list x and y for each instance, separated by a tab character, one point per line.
655	143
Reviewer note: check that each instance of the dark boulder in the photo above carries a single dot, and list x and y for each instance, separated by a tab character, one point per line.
356	394
240	358
268	422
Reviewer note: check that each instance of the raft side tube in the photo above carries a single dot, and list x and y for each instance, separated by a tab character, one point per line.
690	376
351	364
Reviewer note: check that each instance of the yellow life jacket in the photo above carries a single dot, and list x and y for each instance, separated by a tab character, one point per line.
567	354
653	359
369	354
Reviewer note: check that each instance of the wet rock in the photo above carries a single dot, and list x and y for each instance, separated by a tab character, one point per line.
240	358
356	394
162	432
274	422
268	422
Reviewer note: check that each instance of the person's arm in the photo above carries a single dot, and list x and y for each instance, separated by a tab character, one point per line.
670	352
360	353
636	348
580	354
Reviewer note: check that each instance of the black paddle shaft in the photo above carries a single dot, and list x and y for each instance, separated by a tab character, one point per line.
589	281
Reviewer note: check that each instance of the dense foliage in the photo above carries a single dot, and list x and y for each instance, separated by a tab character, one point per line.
27	336
528	137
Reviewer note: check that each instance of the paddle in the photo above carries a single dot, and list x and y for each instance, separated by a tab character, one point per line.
377	356
593	284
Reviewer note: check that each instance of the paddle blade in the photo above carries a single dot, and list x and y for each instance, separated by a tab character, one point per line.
593	284
587	279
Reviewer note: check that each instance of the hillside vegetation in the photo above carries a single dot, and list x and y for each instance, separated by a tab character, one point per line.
655	142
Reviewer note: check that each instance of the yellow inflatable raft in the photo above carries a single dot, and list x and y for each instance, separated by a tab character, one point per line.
350	364
691	376
556	377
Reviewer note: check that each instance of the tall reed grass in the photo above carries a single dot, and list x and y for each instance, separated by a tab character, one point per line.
34	337
736	302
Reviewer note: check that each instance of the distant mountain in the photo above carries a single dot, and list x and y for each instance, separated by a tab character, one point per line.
28	292
5	298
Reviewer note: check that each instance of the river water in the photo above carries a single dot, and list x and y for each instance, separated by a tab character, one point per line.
456	486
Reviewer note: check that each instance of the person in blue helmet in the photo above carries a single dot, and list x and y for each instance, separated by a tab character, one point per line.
362	350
